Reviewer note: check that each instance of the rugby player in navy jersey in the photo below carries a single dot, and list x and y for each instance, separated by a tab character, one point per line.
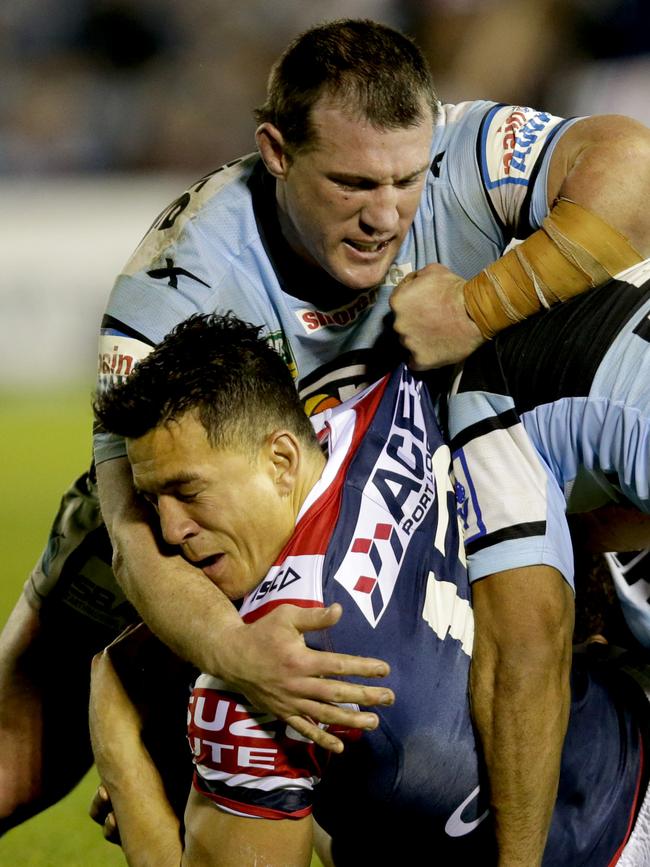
362	176
237	480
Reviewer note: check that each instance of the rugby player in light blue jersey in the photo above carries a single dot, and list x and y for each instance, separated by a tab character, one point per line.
578	378
362	176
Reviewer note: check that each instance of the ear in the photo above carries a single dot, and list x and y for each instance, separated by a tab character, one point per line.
271	146
284	453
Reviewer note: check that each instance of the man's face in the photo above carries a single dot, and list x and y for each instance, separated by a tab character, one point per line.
222	508
347	203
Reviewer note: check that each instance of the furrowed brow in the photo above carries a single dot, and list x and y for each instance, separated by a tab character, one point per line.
412	175
354	180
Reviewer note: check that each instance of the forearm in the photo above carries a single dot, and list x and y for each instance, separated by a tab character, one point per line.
521	718
149	829
178	602
520	697
266	660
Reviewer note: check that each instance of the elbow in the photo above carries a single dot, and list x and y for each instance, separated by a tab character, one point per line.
118	560
526	653
543	644
546	642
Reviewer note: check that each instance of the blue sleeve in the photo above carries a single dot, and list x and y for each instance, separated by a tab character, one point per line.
511	508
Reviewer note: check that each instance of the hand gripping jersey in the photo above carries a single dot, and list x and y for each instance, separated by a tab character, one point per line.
578	378
379	534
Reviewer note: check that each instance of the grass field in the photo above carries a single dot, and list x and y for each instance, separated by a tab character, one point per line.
46	445
46	442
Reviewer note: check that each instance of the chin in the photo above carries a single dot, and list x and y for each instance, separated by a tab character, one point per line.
365	285
362	279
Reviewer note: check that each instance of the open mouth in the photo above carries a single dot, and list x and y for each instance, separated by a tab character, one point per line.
362	247
209	564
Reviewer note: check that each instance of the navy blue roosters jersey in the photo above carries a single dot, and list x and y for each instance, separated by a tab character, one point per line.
379	533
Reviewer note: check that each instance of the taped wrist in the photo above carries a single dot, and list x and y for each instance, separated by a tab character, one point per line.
573	251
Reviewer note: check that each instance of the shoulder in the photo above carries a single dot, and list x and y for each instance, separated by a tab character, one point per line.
213	214
203	253
459	115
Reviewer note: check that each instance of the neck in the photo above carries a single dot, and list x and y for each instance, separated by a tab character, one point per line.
312	469
288	230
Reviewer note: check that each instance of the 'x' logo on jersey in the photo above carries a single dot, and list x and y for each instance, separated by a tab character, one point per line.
172	273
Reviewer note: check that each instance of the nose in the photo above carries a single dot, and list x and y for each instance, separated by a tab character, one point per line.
176	525
380	213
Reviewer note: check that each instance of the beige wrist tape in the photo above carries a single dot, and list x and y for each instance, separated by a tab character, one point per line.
573	251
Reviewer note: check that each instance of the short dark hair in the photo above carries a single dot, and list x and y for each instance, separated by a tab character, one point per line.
369	67
218	367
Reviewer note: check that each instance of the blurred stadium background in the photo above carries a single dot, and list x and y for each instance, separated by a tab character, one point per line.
108	109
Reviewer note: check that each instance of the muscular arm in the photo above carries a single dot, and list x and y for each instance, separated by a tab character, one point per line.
240	842
267	660
603	164
519	687
149	829
600	163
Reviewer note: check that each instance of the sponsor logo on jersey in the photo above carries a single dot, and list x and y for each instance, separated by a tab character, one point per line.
313	320
408	479
281	345
171	272
469	511
396	273
456	825
234	738
277	581
513	140
118	355
297	579
333	387
94	593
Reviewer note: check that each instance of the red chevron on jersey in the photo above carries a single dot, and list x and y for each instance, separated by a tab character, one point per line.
398	491
297	576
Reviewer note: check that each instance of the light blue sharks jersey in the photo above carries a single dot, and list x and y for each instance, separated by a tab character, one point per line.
555	415
218	248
